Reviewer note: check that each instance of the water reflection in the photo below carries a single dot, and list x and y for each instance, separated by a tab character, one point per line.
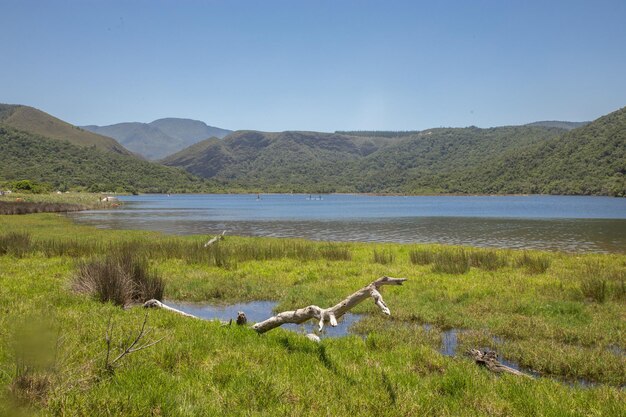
536	222
257	311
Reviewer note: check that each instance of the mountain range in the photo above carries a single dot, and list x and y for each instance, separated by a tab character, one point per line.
162	137
550	157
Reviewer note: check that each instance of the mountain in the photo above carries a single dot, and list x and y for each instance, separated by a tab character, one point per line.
432	160
589	160
159	138
141	138
330	162
189	131
544	157
285	161
31	120
40	147
559	124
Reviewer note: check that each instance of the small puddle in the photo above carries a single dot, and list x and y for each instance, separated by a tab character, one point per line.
257	311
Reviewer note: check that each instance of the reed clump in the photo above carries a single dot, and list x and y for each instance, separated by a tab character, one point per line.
383	257
335	252
120	278
485	259
533	263
599	282
421	257
451	261
15	243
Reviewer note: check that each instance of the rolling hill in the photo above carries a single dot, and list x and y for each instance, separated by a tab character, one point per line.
162	137
40	147
325	162
544	157
590	160
37	122
285	161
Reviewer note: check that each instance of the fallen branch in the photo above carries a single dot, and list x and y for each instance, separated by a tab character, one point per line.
157	304
133	347
330	315
217	238
489	360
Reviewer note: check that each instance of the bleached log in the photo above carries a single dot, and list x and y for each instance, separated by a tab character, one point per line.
331	314
215	239
157	304
490	361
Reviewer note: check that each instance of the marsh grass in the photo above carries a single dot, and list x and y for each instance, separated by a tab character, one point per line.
451	261
30	208
542	321
120	278
15	243
533	263
222	254
421	256
383	257
487	260
335	252
599	282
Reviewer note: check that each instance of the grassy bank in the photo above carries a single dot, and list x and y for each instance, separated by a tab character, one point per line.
561	315
26	203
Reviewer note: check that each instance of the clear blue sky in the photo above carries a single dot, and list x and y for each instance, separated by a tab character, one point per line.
315	65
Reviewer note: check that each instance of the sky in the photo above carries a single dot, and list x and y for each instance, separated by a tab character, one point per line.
315	65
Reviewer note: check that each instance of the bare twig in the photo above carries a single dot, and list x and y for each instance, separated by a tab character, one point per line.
133	347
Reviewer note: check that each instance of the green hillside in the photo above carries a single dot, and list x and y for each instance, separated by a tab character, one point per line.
31	120
323	162
422	163
273	162
590	160
65	166
542	157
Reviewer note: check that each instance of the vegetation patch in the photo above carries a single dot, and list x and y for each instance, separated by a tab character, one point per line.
120	278
451	261
543	322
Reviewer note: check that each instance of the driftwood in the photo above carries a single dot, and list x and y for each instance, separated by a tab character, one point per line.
157	304
331	314
489	360
217	238
240	320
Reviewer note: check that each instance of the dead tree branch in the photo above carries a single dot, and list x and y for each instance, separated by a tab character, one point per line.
133	347
489	360
331	314
217	238
157	304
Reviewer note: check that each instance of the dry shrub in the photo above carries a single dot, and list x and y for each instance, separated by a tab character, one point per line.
120	278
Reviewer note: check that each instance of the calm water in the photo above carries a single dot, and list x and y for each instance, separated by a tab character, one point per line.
576	224
257	311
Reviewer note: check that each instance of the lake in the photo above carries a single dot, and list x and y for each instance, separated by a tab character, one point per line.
567	223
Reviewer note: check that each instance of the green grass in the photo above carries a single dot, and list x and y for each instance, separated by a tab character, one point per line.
544	319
